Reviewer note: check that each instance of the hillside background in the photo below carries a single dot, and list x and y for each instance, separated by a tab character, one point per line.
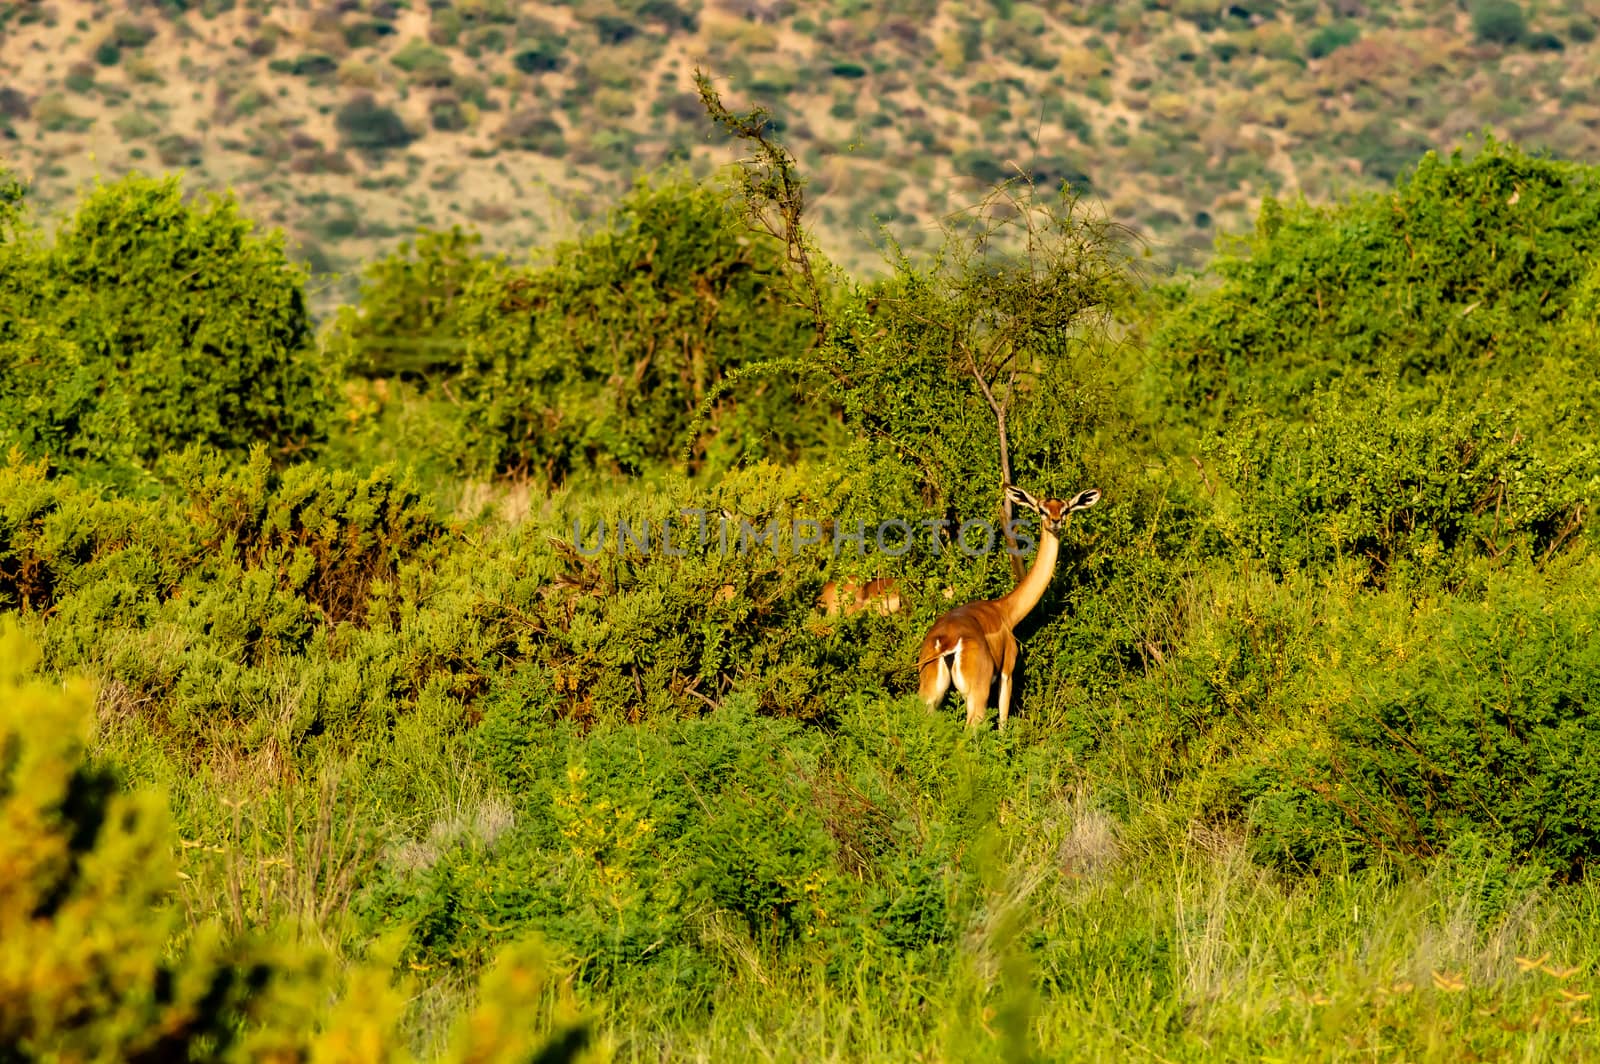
353	122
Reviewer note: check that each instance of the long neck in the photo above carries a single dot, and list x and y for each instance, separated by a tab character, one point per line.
1026	595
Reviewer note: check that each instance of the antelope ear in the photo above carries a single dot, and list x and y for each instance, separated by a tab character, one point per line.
1084	499
1022	498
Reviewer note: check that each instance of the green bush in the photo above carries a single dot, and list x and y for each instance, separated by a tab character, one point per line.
446	114
588	865
407	319
1459	271
325	537
152	323
1485	724
1499	21
540	57
637	848
307	65
96	961
1408	494
603	357
175	149
1331	38
423	62
53	401
80	77
366	124
533	130
983	165
276	608
131	34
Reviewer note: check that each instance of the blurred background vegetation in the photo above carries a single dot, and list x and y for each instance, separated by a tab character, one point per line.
319	739
352	123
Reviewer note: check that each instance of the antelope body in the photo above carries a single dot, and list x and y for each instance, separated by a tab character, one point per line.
849	596
969	645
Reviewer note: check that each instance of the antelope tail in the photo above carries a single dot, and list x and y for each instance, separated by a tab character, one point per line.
940	651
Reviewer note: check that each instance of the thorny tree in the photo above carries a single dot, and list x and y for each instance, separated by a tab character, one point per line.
1025	282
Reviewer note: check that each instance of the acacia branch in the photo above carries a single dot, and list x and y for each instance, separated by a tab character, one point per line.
771	184
1000	410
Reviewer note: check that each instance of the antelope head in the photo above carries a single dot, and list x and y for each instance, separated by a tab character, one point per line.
1053	512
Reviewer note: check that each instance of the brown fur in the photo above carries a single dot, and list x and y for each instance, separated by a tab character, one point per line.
848	596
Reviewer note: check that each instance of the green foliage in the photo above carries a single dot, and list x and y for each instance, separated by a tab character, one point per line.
1409	494
602	357
196	607
1010	316
151	324
407	320
624	836
424	63
129	33
1484	727
1499	21
366	124
95	961
12	194
540	56
307	65
86	869
1458	272
327	535
1331	38
446	114
53	398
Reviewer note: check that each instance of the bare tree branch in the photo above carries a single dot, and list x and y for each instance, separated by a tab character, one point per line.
773	193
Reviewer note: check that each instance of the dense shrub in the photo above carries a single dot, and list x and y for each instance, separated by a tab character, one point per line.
1499	21
307	65
151	324
366	124
1407	493
423	63
96	961
324	537
604	356
639	848
589	865
279	607
540	57
54	401
406	322
533	130
446	114
1485	723
1459	271
1331	38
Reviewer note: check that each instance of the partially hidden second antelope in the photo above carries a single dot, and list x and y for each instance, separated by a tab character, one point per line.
969	645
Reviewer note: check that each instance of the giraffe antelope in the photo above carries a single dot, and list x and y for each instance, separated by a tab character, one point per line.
851	596
967	646
881	595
